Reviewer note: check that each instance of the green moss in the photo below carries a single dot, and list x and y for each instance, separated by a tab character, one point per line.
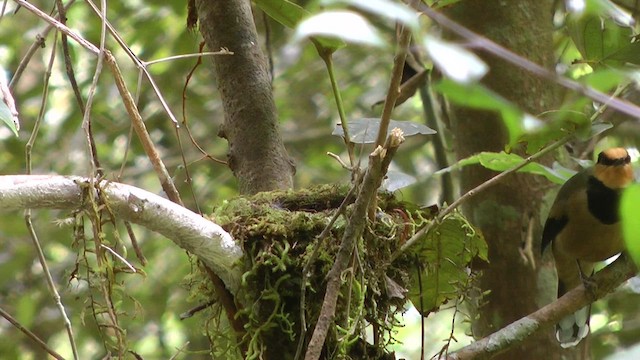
279	231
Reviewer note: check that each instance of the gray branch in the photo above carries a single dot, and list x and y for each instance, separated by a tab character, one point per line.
201	237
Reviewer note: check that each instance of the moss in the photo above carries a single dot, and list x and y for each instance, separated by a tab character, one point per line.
279	232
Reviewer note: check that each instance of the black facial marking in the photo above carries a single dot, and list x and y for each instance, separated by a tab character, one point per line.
603	201
603	159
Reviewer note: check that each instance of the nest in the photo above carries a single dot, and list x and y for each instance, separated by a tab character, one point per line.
279	232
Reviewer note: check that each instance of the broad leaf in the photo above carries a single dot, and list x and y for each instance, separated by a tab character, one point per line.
454	61
290	15
605	79
8	112
383	8
397	180
502	161
7	118
603	34
345	25
629	210
365	130
283	11
479	97
442	260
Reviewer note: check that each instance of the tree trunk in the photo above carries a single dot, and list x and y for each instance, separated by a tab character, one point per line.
256	152
503	212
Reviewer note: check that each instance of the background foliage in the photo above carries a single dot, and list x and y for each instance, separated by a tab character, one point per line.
594	49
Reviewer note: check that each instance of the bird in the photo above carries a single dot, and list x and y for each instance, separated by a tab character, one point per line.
583	228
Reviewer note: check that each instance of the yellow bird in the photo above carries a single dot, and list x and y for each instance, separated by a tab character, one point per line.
583	228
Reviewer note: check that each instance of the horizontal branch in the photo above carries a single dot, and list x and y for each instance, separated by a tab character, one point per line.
201	237
604	282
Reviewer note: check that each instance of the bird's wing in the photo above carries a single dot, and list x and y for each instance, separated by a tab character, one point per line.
552	228
559	214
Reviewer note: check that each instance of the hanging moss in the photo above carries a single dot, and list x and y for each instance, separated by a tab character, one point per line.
279	231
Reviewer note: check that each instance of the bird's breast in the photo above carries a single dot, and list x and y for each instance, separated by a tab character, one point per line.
585	237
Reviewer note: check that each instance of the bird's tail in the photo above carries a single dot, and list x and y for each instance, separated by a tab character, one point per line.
573	328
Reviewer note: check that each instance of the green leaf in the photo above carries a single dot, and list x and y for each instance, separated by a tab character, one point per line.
502	161
7	117
479	97
586	133
283	11
442	261
290	15
345	25
608	9
438	4
605	79
396	180
383	8
603	42
629	210
365	130
456	62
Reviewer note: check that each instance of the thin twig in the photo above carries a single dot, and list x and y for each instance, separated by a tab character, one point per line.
524	63
30	335
339	160
185	123
72	34
307	266
392	95
86	118
62	17
327	57
43	105
141	130
379	160
187	173
439	140
50	283
93	150
119	257
187	56
394	84
227	302
142	65
180	350
134	244
138	63
27	214
37	44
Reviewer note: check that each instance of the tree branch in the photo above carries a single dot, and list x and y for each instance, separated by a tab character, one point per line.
605	282
257	155
201	237
379	161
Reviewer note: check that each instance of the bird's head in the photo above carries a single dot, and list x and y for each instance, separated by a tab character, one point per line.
613	168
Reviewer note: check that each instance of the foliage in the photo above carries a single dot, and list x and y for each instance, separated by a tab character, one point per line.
442	263
504	161
593	46
629	207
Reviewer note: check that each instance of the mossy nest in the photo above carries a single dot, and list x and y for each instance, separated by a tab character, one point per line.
279	231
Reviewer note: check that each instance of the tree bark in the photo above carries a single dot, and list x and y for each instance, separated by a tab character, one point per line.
257	155
503	212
